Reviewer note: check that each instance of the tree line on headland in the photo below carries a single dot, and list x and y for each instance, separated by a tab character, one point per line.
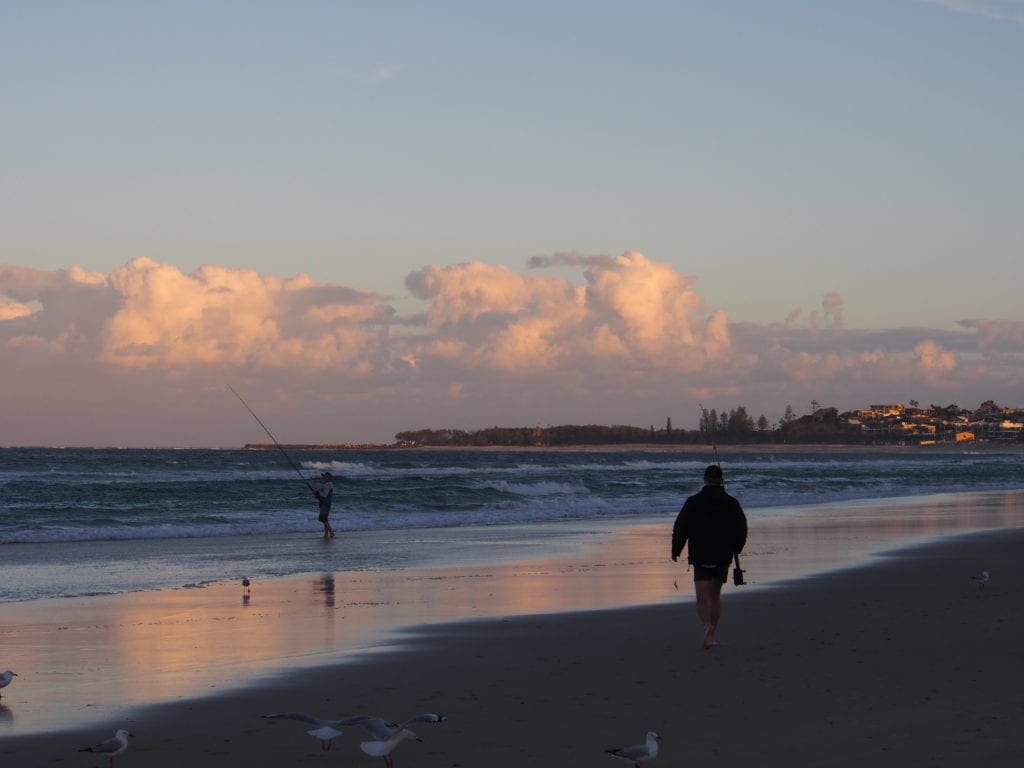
889	424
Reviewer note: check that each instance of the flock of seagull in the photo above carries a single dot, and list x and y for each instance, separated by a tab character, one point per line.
387	734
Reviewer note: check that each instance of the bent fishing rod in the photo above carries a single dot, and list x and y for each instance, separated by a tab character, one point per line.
712	428
271	435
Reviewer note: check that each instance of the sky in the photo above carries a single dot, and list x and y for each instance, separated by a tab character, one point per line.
371	217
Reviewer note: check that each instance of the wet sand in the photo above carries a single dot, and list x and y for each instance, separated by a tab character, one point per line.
903	661
87	661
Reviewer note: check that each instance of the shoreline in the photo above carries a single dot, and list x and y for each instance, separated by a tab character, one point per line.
993	446
1007	446
900	661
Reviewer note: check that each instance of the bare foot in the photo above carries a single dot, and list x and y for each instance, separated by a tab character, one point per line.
709	638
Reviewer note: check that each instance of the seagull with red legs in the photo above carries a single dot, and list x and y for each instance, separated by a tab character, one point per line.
326	730
638	753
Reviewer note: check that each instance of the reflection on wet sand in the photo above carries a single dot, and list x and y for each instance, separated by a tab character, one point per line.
6	716
323	589
160	646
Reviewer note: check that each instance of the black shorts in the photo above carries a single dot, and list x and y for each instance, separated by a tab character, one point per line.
324	513
709	572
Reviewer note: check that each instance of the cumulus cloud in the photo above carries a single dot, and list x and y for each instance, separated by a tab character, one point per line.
832	308
222	316
933	359
630	309
626	338
1005	335
12	309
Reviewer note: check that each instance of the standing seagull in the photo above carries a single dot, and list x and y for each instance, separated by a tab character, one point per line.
982	579
326	730
246	584
386	747
639	753
5	678
111	747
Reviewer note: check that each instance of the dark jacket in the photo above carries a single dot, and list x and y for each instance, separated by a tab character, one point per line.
714	524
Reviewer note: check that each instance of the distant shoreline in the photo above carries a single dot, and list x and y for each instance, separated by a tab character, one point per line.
979	446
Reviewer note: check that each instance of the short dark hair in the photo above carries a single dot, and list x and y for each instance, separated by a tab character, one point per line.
713	472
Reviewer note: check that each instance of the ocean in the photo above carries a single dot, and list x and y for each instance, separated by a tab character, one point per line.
102	521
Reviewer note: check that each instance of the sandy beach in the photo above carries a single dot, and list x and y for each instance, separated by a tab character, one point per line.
903	661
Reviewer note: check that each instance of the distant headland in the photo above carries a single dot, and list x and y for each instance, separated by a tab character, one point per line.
883	424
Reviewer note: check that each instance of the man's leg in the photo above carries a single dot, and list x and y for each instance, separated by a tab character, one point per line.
714	602
703	592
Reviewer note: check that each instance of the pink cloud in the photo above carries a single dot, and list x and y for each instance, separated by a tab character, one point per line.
994	334
628	339
631	307
222	316
13	309
933	360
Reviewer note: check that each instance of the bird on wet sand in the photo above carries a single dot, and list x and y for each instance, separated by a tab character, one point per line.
5	679
982	578
326	730
385	747
638	753
110	748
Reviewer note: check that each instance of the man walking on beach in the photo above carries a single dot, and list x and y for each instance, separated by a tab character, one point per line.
716	528
324	495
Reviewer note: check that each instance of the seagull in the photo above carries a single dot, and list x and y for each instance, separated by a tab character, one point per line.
327	735
385	729
982	579
326	730
246	584
5	678
638	753
111	747
386	747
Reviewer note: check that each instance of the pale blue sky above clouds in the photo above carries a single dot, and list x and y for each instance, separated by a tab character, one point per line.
865	151
774	150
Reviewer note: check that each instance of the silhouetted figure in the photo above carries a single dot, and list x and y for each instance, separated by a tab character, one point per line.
713	523
324	496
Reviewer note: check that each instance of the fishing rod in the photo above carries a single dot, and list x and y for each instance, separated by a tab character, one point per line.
712	428
737	572
271	434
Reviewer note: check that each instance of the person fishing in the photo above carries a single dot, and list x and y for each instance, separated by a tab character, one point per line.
713	524
324	495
